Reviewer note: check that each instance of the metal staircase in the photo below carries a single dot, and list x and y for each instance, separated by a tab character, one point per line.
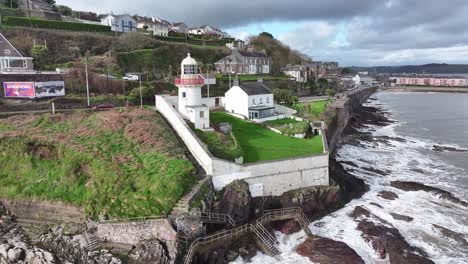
265	240
91	241
214	218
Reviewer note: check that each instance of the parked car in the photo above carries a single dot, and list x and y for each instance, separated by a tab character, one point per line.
103	106
131	77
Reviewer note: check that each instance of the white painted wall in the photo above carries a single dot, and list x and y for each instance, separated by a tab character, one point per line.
237	101
197	148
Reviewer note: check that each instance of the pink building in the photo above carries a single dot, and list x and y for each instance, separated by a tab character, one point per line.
430	81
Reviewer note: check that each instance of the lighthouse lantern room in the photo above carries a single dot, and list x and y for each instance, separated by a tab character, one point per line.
190	100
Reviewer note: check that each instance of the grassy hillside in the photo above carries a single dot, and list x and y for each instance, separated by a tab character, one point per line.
117	163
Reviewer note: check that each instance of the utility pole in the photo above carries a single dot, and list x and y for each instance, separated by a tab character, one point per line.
141	93
87	82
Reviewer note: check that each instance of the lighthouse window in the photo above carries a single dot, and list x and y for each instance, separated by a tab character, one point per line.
184	95
190	69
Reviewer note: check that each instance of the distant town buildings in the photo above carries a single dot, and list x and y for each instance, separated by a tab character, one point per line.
244	62
319	69
452	81
120	23
207	30
179	27
300	73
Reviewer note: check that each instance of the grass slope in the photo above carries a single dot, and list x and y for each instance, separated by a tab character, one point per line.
261	144
121	164
311	110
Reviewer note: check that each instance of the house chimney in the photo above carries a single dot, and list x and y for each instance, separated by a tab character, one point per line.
236	82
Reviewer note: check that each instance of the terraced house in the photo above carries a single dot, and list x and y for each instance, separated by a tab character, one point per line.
244	62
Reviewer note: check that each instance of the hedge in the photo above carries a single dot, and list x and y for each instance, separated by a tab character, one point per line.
194	41
53	24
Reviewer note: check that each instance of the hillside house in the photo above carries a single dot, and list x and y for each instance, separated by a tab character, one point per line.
236	44
244	62
252	100
206	30
120	23
298	72
179	27
11	60
38	8
153	25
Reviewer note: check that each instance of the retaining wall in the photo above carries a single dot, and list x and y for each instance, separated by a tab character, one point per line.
344	109
134	232
265	178
43	211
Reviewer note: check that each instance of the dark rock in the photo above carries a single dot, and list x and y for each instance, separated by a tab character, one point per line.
415	186
388	195
236	202
324	250
388	241
376	171
248	252
350	163
360	211
231	255
289	227
150	251
440	148
375	204
418	170
402	217
460	238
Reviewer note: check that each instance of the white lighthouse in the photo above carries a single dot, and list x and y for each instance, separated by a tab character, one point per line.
190	95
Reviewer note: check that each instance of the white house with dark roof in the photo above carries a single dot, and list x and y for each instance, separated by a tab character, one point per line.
251	100
11	60
120	23
152	24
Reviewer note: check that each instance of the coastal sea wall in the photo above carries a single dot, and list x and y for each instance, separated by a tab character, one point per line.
342	110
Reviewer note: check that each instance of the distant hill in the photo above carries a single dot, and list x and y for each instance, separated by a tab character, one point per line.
432	68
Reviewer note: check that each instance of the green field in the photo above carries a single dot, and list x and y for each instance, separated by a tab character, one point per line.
262	144
311	110
116	163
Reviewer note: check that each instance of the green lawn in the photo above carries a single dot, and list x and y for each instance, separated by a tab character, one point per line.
310	110
120	164
284	121
262	144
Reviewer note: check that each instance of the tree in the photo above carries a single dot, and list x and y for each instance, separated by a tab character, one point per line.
266	34
283	96
346	71
39	53
313	88
330	92
64	10
145	27
322	84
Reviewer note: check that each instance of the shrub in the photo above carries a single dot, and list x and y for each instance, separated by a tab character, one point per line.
52	24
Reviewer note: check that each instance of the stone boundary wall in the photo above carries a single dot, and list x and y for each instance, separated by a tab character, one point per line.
45	211
286	110
133	232
344	109
264	178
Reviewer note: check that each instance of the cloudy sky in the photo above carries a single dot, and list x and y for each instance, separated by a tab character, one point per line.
353	32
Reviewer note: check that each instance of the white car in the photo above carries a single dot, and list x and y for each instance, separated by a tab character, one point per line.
131	77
